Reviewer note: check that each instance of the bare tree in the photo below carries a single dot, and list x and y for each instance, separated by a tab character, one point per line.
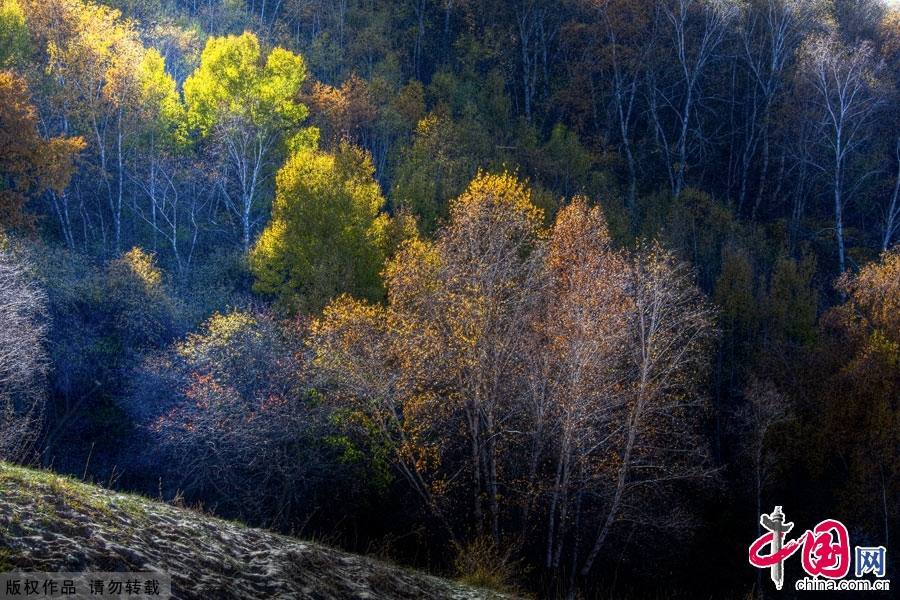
172	211
236	418
657	442
694	51
766	408
844	104
768	38
537	30
892	213
23	360
630	32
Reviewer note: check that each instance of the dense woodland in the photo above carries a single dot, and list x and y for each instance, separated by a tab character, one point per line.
552	296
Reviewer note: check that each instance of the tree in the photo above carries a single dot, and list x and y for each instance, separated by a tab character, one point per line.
842	79
443	357
670	336
161	152
104	321
892	211
584	330
435	168
766	410
14	43
328	235
537	26
246	104
29	164
860	391
475	308
768	36
694	51
629	32
92	62
23	358
559	376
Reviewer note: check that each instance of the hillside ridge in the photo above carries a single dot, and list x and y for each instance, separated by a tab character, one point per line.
53	523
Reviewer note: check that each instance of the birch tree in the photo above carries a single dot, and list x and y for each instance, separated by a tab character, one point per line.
892	212
585	331
245	105
669	339
630	34
768	38
697	30
93	65
843	104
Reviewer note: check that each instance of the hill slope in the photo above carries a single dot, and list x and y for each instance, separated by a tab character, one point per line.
52	523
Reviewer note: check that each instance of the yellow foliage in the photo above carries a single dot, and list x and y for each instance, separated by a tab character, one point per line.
327	235
875	294
144	266
493	191
218	330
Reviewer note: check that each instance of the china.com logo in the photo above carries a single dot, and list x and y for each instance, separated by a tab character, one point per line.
825	553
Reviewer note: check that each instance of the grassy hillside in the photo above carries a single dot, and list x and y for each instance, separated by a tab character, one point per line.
53	523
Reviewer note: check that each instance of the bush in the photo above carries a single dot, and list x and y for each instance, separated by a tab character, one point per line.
23	359
484	563
233	414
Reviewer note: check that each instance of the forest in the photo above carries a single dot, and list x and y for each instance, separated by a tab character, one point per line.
552	297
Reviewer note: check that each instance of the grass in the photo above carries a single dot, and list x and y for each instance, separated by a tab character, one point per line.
51	522
487	565
6	559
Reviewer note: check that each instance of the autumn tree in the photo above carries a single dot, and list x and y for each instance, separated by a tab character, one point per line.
328	235
769	34
580	376
697	29
558	375
490	263
444	352
860	391
29	164
670	337
92	64
629	32
245	103
104	319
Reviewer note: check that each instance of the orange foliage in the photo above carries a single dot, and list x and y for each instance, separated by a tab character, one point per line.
29	164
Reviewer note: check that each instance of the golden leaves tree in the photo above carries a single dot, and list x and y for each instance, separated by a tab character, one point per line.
518	372
29	164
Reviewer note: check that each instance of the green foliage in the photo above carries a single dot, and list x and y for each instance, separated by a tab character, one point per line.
436	168
734	292
359	444
164	111
562	163
698	227
14	42
235	82
327	235
792	303
575	98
